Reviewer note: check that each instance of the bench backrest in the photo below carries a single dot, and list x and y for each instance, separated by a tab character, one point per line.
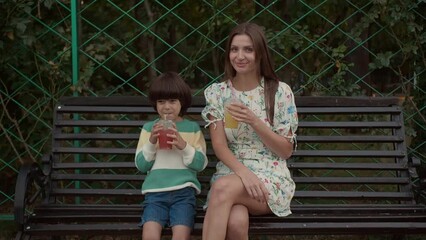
350	150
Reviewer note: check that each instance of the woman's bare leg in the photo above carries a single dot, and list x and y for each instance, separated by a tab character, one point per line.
238	223
226	192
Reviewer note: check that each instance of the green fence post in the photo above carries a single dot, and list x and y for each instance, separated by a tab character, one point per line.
75	49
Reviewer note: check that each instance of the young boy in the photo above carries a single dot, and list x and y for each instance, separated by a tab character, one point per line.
171	183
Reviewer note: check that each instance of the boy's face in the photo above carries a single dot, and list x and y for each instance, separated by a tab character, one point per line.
169	107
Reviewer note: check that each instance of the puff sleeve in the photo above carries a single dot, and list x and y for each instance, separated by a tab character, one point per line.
215	95
285	117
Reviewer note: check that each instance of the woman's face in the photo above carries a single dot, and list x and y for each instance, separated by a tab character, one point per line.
242	55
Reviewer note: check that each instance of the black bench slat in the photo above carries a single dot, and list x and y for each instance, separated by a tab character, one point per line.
98	136
300	194
108	177
352	180
116	110
347	153
100	123
94	165
348	166
318	180
319	139
298	153
256	228
103	165
348	110
354	195
93	192
349	124
98	177
361	228
305	209
296	208
106	150
93	150
349	139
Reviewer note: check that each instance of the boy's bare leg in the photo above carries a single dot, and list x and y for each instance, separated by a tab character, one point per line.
181	232
151	231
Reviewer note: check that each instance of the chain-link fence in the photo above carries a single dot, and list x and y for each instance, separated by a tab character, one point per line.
54	48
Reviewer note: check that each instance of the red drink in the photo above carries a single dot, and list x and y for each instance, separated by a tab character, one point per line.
163	138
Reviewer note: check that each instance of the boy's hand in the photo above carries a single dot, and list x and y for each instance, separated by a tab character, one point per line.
155	132
178	141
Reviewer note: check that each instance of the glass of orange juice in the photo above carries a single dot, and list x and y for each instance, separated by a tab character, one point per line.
230	122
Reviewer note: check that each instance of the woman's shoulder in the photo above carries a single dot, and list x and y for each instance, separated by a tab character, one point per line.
216	87
283	87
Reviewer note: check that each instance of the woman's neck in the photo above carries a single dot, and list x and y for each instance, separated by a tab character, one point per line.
245	82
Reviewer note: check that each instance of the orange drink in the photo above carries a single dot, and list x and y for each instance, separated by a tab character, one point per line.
230	122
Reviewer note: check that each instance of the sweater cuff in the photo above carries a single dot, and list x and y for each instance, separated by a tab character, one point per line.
149	149
188	154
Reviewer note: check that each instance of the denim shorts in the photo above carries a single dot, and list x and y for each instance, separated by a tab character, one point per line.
170	208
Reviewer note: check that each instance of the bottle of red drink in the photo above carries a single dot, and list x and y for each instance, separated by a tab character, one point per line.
162	137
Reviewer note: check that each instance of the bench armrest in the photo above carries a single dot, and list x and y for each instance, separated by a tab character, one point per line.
30	185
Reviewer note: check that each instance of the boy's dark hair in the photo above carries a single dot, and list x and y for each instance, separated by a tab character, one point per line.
170	85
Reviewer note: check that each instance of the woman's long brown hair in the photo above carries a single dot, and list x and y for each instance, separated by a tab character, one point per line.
264	63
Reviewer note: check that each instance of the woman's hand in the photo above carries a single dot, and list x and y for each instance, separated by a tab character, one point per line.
254	187
242	113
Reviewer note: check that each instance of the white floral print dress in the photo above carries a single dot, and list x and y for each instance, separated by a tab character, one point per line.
246	144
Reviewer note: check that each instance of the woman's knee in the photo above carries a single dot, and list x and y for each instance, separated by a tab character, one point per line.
223	189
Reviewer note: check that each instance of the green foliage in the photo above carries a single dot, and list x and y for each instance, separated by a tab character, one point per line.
321	47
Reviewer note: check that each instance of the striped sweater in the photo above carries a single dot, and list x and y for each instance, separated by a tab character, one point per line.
173	169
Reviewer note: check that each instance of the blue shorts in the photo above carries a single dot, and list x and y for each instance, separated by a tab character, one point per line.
170	208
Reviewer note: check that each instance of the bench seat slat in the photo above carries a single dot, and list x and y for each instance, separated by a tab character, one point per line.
100	123
349	124
354	195
352	180
117	110
258	228
98	136
108	177
347	166
298	153
348	110
295	208
134	217
298	194
206	179
300	139
102	165
100	150
291	164
348	139
347	153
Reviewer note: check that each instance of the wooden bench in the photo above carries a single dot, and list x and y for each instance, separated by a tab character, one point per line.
351	168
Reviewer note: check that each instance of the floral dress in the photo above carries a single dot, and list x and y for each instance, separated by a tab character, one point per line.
246	144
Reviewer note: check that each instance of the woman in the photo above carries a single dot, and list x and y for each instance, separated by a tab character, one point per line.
252	176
